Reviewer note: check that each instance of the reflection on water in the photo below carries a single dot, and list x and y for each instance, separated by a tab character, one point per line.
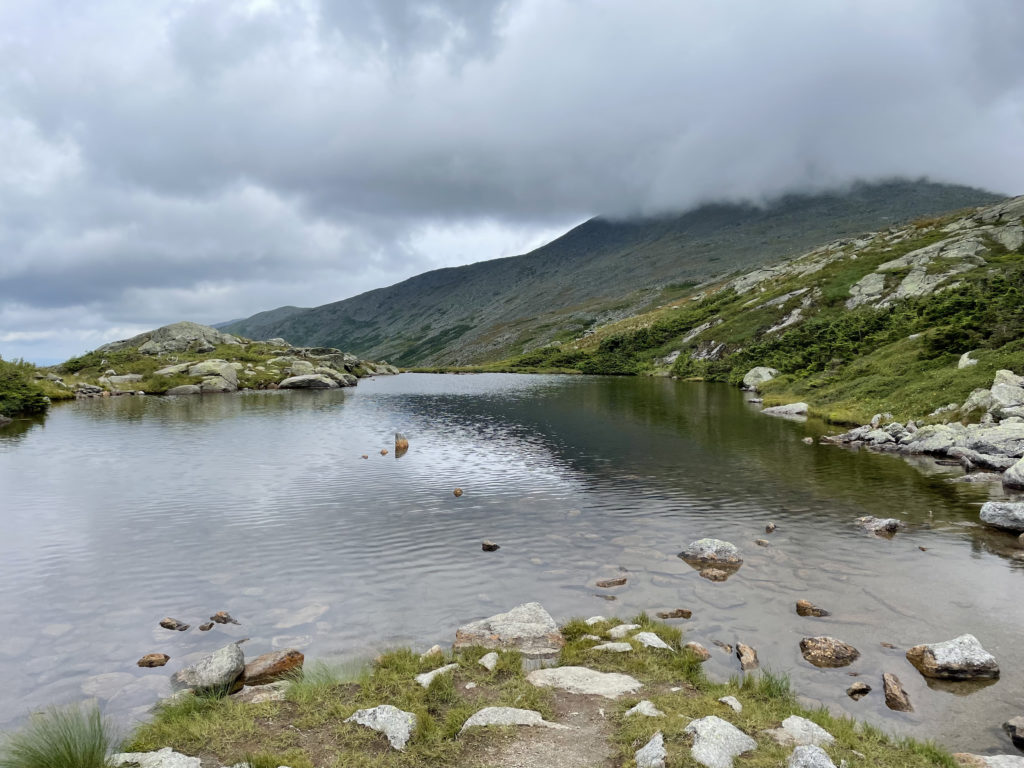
119	512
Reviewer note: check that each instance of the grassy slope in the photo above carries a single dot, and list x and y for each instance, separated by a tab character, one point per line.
848	364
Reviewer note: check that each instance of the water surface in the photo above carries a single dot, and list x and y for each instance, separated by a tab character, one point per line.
119	512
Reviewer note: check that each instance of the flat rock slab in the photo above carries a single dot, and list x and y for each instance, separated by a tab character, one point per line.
428	677
989	761
652	754
527	628
791	410
163	758
961	658
651	640
584	681
800	732
645	708
620	631
260	694
810	757
393	722
613	647
507	716
716	742
219	670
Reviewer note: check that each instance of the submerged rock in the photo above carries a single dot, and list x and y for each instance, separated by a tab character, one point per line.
618	581
678	613
652	754
507	716
881	526
961	658
1002	514
393	722
896	697
807	608
824	651
716	742
527	628
582	680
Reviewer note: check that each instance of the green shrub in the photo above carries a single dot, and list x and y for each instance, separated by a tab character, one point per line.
19	392
73	737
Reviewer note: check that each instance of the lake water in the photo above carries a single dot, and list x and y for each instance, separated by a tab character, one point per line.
118	512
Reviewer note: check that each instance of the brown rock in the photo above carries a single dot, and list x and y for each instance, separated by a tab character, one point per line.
173	624
153	660
618	581
967	760
698	650
457	492
770	528
826	651
887	645
401	442
715	574
895	697
724	646
383	451
364	456
489	546
222	617
761	542
858	691
961	658
807	608
272	666
1020	540
1014	728
206	627
678	613
747	656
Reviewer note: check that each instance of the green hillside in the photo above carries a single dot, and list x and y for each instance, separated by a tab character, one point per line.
599	272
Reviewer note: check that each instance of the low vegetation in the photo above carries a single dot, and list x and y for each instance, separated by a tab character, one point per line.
20	392
74	737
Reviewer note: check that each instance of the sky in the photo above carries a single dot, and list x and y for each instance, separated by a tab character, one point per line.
209	159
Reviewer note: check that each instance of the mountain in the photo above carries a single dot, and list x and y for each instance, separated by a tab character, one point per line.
600	271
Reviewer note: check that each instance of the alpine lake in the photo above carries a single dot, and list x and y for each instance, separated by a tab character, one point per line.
281	508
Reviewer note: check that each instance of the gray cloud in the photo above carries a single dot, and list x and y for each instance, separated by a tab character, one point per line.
214	158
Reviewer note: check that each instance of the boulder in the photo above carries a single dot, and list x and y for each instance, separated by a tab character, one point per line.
716	742
824	651
896	697
1007	515
932	438
217	384
427	678
218	368
979	401
162	758
184	389
215	672
309	381
527	628
747	657
507	716
652	754
584	681
393	722
651	640
714	551
645	708
302	368
961	658
1014	728
758	375
1006	439
799	731
792	409
178	337
272	666
809	757
153	660
1014	476
698	650
807	608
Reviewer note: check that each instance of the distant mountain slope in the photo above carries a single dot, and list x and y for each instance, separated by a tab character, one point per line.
595	273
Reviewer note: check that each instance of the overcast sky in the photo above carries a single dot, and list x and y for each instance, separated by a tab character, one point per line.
209	159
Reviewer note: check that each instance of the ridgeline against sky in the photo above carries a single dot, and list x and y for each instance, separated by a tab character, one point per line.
206	160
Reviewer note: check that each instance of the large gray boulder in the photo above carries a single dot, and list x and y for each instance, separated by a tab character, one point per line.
1003	514
961	658
309	381
932	438
584	681
508	716
716	742
997	439
215	672
216	370
809	757
398	725
759	375
162	758
712	551
178	337
1014	476
527	628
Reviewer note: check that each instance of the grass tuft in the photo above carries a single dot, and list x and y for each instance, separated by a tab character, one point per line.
73	737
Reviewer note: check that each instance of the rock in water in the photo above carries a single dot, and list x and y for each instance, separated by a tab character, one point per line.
1006	515
747	657
507	716
393	722
401	442
961	658
272	666
678	613
807	608
153	660
457	492
1014	476
770	528
896	698
489	546
810	757
1015	730
309	381
799	731
618	581
698	650
216	672
886	526
222	617
824	651
527	628
716	742
162	758
206	627
173	624
584	681
793	409
713	551
858	691
652	754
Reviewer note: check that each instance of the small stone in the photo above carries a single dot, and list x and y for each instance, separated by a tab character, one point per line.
489	661
434	650
678	613
206	627
651	640
826	651
799	731
716	742
592	638
807	608
507	716
393	722
724	647
895	697
652	754
581	680
645	708
457	492
961	658
613	647
153	660
383	451
714	574
618	581
858	691
747	656
489	546
732	702
364	456
470	686
808	441
1014	728
594	620
428	677
809	756
174	624
620	631
698	650
761	542
770	528
222	617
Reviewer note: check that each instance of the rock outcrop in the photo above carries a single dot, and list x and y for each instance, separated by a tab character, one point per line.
527	628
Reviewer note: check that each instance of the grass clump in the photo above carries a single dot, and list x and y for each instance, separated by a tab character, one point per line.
73	737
